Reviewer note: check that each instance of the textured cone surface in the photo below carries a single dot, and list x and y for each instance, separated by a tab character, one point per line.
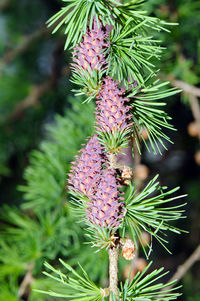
105	209
90	53
85	172
112	110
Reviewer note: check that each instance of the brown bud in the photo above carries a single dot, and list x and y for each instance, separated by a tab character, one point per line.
141	172
129	270
144	134
140	264
145	239
193	129
197	157
127	175
128	249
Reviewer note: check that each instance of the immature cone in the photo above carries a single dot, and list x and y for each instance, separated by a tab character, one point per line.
106	210
99	185
85	172
90	53
112	111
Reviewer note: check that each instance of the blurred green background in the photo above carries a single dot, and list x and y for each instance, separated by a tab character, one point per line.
41	128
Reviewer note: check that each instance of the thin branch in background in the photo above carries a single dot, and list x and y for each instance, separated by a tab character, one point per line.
186	87
195	108
184	268
23	46
26	282
37	91
4	4
31	100
192	92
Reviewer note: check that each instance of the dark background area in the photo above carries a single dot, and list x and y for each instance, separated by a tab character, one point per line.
34	88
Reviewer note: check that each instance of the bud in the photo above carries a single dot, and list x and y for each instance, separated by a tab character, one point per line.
127	175
145	239
141	172
140	264
128	249
144	134
129	271
197	157
193	129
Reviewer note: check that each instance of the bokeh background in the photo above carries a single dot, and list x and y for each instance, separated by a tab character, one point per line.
41	128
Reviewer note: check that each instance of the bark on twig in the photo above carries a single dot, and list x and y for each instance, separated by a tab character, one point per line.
183	269
113	270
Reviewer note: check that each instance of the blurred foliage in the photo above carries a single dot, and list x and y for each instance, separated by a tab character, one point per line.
38	225
44	228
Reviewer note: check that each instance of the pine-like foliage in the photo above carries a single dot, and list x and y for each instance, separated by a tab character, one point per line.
112	63
46	227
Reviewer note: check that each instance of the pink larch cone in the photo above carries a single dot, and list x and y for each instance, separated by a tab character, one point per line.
113	113
90	54
85	172
106	208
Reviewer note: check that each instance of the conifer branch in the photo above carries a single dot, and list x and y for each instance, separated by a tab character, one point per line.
112	62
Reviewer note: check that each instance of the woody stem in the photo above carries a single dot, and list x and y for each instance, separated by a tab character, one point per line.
113	270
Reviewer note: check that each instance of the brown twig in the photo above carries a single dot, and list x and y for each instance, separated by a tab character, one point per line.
192	92
37	91
190	89
113	270
182	269
31	100
22	47
25	284
195	108
187	88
